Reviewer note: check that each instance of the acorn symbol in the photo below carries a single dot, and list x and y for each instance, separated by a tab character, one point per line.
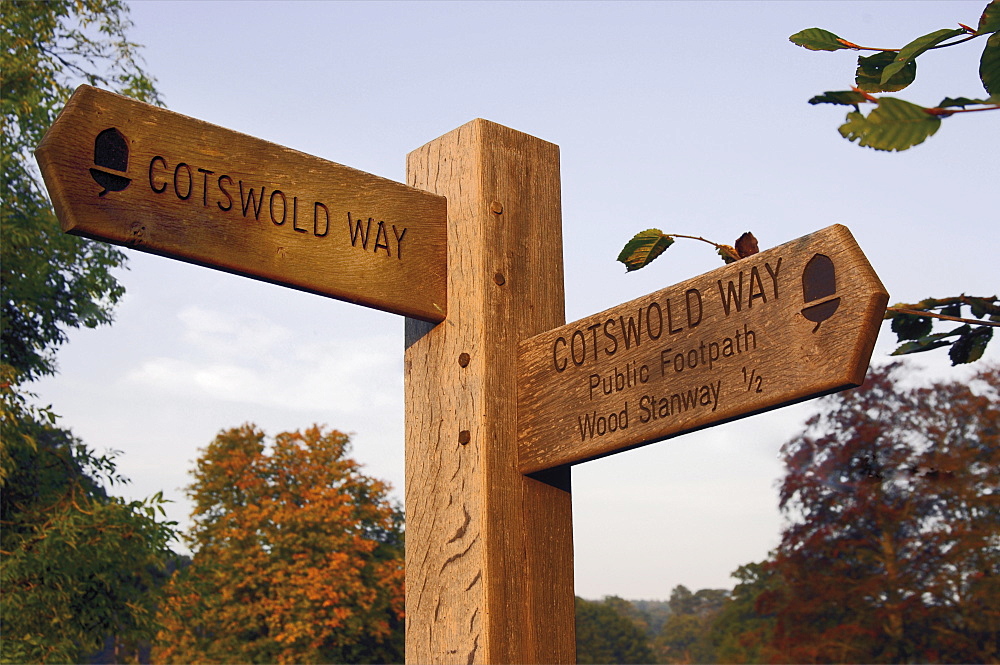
819	283
110	152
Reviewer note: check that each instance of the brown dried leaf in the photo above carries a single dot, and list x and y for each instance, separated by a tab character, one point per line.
746	245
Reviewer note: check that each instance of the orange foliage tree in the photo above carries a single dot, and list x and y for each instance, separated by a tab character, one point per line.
297	557
892	550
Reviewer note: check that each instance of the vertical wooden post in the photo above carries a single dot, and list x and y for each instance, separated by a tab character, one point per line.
489	552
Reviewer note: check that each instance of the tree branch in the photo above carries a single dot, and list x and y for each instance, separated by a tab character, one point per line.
934	315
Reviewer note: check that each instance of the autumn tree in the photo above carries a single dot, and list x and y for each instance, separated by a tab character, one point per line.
297	556
892	547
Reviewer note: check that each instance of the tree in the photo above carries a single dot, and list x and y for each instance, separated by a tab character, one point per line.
78	566
891	552
743	628
76	563
50	280
685	636
605	634
297	556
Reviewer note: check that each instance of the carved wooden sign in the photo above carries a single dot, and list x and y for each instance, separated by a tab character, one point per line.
782	326
137	175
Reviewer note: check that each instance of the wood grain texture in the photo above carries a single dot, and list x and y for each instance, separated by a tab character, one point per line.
489	564
186	189
779	327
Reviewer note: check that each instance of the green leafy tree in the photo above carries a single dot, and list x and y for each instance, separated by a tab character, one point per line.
606	634
892	548
78	566
685	637
297	557
52	281
743	629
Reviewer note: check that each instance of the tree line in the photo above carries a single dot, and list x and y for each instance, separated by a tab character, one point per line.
890	550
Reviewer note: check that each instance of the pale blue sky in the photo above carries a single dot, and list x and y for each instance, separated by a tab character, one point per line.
688	116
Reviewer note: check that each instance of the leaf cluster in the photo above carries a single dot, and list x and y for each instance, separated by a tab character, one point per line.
915	331
896	124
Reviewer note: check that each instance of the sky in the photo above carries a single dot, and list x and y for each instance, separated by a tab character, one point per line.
691	117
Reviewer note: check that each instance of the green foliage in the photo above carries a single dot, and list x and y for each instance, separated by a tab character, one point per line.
896	124
908	54
605	634
646	245
78	565
686	636
818	39
298	557
744	627
989	66
50	280
870	74
643	248
968	342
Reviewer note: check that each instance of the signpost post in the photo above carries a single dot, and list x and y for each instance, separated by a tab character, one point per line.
501	397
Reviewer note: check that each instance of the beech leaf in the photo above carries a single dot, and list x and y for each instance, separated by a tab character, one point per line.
919	346
990	20
868	76
911	326
728	254
970	346
894	125
949	102
841	97
643	248
916	47
989	65
818	39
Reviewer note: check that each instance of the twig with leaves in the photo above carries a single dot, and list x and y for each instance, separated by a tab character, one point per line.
896	124
912	323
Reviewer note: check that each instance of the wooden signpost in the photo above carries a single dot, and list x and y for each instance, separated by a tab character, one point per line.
786	325
137	175
501	397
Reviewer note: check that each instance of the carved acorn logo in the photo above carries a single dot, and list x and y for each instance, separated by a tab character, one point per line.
110	152
819	286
